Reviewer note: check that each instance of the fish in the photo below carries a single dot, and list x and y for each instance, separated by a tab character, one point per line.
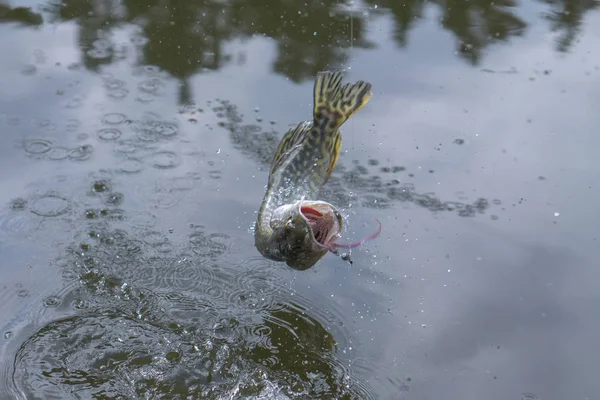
293	225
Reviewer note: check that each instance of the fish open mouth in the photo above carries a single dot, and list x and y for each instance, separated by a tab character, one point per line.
324	220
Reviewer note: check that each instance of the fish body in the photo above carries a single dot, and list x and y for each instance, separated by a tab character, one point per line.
293	225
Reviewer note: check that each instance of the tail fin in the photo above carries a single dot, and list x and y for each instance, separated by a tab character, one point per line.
335	103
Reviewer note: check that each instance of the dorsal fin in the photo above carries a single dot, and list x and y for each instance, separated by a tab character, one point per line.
290	140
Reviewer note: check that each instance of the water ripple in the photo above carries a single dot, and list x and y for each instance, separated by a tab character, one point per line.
51	204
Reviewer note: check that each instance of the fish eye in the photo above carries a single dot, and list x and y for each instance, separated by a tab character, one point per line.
289	223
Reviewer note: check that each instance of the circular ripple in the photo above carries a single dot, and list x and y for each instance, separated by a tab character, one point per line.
152	85
29	70
261	280
130	165
209	246
145	97
18	204
58	153
114	84
52	301
15	225
75	102
127	146
109	134
181	183
146	134
81	153
72	125
97	53
114	198
65	353
50	205
165	159
38	146
141	220
163	199
529	396
118	94
187	274
166	129
257	290
114	118
154	238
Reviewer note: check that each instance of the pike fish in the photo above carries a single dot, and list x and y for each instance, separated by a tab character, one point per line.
293	226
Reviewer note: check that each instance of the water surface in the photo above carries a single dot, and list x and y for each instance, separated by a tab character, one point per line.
137	137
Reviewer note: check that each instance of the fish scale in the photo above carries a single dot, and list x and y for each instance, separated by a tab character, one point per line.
305	158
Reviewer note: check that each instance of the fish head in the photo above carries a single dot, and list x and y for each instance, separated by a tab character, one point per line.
303	231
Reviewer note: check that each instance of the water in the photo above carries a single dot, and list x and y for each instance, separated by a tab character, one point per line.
137	141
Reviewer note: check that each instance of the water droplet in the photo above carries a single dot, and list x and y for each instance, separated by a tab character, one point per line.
556	214
459	141
72	125
100	186
8	335
23	293
114	199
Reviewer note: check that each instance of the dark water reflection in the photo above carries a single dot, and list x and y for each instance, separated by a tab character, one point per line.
186	37
137	139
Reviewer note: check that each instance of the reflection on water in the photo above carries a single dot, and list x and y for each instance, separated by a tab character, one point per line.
185	37
147	311
21	15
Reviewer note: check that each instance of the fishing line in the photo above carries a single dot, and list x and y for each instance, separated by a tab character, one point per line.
346	256
351	54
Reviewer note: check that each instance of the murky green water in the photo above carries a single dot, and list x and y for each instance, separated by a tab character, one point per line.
137	137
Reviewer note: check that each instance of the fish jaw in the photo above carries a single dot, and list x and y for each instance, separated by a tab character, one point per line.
324	219
303	232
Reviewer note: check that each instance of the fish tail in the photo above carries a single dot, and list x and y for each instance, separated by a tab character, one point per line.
334	102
